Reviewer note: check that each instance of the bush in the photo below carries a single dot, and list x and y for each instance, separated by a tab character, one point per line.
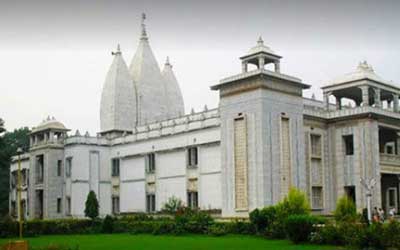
345	210
217	230
172	205
8	227
299	227
295	202
165	227
262	219
192	221
108	225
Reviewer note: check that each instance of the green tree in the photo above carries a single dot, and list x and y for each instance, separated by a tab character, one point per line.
92	206
2	128
9	142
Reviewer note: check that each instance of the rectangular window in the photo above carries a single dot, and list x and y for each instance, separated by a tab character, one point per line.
316	145
192	157
59	168
115	167
317	197
392	197
350	191
39	169
115	205
150	203
150	163
59	205
192	199
68	208
68	166
349	144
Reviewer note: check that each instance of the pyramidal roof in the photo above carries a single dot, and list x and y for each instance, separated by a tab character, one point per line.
151	90
174	94
118	99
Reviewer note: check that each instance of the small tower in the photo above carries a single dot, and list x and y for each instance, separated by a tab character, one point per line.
46	169
260	55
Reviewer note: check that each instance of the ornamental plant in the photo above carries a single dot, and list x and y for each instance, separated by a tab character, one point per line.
92	206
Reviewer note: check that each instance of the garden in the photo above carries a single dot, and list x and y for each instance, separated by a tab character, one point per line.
286	225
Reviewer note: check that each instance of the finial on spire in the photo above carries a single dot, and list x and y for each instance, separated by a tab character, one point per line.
118	52
167	62
144	34
260	41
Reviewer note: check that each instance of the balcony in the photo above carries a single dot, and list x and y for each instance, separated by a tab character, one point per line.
390	163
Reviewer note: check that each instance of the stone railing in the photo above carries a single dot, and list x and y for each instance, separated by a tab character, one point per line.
347	112
390	159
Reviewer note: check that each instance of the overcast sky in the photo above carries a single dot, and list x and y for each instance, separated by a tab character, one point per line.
54	55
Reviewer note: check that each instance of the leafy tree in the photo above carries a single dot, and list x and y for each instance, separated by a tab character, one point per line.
172	205
92	206
9	142
2	128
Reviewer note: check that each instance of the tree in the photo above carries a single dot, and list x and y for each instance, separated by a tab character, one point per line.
345	209
92	206
2	129
9	142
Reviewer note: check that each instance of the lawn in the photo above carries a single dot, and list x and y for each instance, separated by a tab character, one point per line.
192	242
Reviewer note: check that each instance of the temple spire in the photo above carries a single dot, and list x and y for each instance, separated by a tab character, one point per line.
118	52
144	33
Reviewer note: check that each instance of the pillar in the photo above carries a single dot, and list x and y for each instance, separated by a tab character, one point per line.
244	66
377	97
395	102
365	95
338	103
398	143
277	67
261	62
326	99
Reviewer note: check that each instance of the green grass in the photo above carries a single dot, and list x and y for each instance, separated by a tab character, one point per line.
192	242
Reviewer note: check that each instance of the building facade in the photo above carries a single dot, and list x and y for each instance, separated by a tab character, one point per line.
263	139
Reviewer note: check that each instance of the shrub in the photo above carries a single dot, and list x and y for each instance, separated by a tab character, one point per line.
192	221
391	234
92	206
172	205
295	202
262	219
165	227
108	224
345	210
217	230
299	227
8	227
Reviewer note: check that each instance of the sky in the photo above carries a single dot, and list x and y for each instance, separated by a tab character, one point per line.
54	55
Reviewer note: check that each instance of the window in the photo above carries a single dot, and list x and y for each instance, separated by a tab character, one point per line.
59	167
389	150
315	145
192	199
350	191
317	197
59	205
150	203
349	144
150	163
68	208
68	166
392	197
39	169
192	157
115	204
115	167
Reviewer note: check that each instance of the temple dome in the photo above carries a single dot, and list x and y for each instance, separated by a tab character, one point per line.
176	105
49	123
118	108
363	71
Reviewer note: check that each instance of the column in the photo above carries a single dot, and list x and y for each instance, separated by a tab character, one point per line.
244	66
395	102
261	62
365	95
377	97
326	99
398	143
277	67
338	103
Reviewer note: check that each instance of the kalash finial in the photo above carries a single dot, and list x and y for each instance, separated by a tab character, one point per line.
118	52
260	41
167	61
144	34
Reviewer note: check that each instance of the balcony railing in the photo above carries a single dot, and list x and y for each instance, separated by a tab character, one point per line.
390	159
